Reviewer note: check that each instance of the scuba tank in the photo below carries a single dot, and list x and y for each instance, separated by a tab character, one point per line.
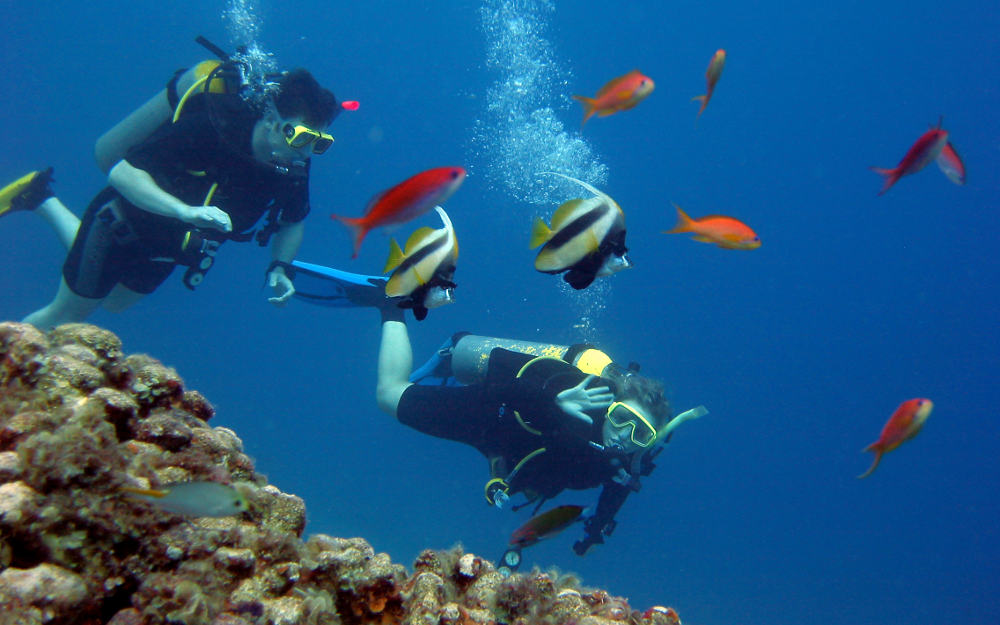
210	76
470	357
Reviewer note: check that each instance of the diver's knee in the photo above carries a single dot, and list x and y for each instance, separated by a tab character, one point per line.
121	298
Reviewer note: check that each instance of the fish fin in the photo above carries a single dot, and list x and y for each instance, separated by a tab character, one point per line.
583	184
540	233
145	492
683	224
358	230
891	176
703	239
419	236
589	107
878	457
396	256
561	217
951	164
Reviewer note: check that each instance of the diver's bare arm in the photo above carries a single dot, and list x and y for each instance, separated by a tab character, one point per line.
395	360
139	188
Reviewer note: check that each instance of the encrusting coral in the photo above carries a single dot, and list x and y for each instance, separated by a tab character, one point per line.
79	421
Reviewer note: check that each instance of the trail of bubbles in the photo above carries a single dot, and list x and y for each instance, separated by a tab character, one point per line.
243	25
520	135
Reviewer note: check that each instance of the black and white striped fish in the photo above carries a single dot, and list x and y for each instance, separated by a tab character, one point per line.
586	238
422	273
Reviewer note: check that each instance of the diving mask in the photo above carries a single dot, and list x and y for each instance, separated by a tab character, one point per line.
621	415
298	136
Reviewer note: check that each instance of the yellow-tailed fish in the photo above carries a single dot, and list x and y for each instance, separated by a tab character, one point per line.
422	273
586	238
195	499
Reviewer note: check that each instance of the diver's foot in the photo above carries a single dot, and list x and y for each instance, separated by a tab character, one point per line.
27	192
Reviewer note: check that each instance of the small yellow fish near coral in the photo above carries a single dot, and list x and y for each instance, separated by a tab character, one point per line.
194	499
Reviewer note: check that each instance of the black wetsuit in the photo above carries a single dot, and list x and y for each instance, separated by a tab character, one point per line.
483	415
119	242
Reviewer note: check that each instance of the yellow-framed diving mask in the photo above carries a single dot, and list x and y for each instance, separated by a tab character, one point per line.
298	136
621	414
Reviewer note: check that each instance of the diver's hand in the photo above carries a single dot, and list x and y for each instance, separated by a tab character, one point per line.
208	217
282	285
579	399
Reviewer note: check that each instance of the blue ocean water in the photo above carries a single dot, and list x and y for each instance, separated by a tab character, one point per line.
801	349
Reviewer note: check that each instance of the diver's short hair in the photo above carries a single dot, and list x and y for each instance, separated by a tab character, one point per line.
647	393
300	95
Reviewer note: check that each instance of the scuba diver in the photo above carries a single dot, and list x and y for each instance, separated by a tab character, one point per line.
546	417
199	164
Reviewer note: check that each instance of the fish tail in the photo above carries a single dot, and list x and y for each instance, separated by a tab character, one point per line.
683	224
589	107
878	457
704	102
891	176
358	230
540	233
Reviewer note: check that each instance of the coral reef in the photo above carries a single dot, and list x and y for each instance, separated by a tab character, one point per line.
79	420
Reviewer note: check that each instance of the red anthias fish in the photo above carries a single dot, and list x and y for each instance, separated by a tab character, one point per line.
903	425
620	94
926	149
711	77
408	199
546	524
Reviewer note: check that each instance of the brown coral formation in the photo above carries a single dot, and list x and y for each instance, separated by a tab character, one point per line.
79	420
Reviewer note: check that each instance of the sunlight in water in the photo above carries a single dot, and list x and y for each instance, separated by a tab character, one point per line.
519	133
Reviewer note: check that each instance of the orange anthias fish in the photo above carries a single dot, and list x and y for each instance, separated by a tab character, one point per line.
711	77
924	150
546	524
903	425
620	94
408	199
726	232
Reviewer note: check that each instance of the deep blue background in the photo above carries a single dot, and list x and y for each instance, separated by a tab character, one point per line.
800	349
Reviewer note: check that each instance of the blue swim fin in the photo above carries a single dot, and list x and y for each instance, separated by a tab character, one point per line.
325	286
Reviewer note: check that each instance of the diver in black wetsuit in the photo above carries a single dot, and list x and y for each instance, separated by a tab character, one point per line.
543	423
195	181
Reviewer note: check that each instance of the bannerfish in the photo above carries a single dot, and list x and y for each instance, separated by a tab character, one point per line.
924	150
423	271
545	525
586	238
194	499
951	164
405	201
711	77
725	232
903	425
619	94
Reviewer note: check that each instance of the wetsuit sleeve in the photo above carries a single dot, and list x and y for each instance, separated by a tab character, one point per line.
602	522
294	200
176	148
534	393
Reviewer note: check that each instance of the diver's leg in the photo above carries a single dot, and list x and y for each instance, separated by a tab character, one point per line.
66	307
62	220
121	298
395	359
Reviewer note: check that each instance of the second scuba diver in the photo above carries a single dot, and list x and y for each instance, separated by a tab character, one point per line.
563	418
184	186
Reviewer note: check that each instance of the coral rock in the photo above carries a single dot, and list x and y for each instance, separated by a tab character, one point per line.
79	420
49	588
